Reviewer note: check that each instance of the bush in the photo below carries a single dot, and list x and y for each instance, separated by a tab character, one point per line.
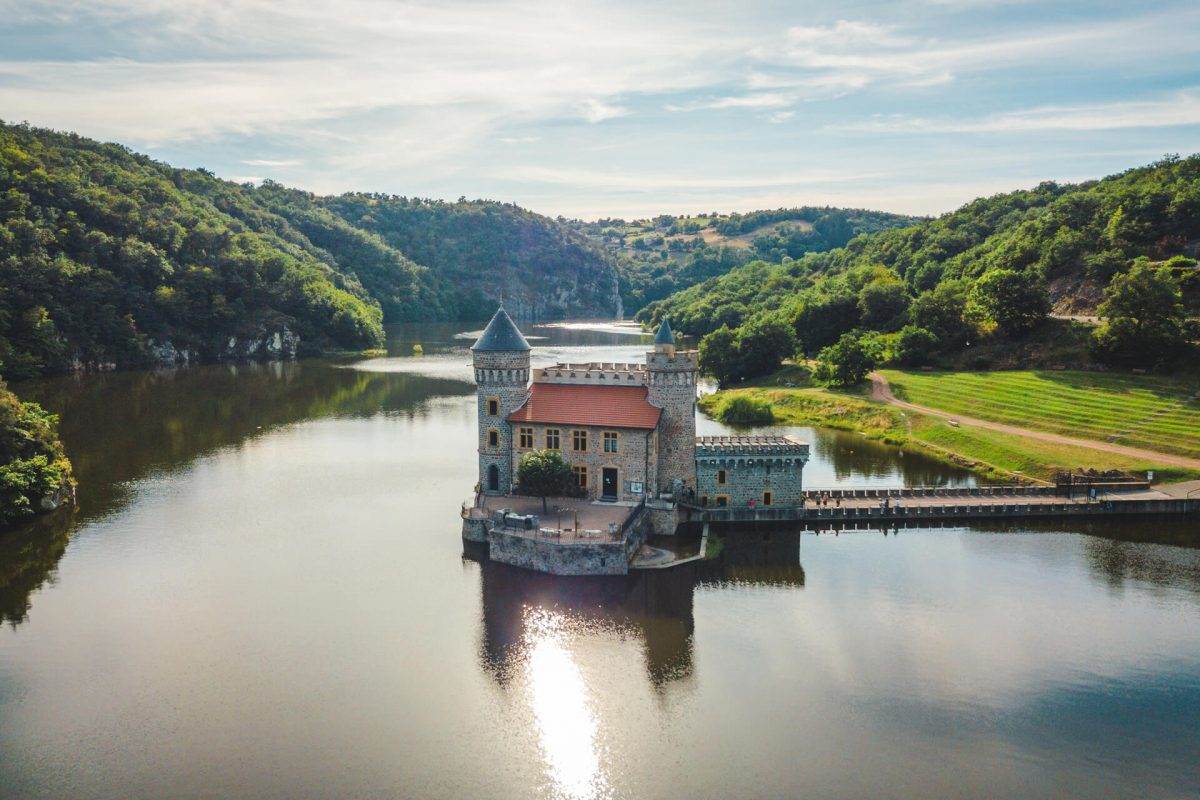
33	465
742	410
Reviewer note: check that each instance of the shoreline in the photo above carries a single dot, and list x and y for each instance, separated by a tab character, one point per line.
990	455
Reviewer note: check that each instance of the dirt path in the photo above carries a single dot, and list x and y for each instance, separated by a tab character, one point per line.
881	392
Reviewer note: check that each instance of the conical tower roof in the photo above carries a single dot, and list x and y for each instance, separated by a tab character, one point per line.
501	335
664	335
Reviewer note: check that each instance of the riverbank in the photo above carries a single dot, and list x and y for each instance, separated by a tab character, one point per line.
993	455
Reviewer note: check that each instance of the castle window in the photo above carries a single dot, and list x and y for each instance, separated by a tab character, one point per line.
610	441
720	477
493	406
704	500
722	501
493	438
552	439
579	441
766	498
580	477
525	440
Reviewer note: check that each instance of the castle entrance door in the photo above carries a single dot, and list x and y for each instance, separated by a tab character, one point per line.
608	485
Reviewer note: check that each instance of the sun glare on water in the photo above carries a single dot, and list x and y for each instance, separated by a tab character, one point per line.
566	725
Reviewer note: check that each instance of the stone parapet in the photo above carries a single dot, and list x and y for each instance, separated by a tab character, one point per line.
593	373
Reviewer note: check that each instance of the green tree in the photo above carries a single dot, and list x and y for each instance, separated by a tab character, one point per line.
756	348
543	473
844	363
1144	318
915	347
941	311
882	304
718	355
1014	302
820	317
33	466
762	345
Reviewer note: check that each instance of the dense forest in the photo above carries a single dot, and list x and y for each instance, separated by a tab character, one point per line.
990	273
660	256
108	258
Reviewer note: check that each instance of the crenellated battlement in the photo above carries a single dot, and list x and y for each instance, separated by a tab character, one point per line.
593	373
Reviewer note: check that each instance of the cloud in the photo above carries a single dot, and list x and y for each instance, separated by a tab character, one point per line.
206	69
445	98
267	162
848	55
758	100
639	181
1180	108
594	110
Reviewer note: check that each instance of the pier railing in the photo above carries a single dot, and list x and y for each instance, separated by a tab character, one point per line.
943	511
1019	490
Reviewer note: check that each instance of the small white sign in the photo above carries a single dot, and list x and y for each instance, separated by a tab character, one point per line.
635	487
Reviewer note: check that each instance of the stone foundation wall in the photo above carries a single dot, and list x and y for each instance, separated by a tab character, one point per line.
566	558
662	520
475	530
557	558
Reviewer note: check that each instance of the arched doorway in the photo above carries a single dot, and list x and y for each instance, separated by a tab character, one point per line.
493	481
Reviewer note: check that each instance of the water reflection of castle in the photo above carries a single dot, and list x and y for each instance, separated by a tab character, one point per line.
655	606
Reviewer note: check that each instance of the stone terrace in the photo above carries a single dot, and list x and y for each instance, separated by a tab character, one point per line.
593	516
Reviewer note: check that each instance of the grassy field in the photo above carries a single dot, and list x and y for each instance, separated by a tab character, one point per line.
994	455
1150	412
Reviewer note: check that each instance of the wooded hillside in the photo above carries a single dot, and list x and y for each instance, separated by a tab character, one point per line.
108	258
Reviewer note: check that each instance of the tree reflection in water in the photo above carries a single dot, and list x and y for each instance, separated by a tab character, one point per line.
121	427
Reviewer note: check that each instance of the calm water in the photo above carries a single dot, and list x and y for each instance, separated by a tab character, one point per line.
263	595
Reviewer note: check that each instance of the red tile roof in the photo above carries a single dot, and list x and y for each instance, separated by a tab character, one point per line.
575	404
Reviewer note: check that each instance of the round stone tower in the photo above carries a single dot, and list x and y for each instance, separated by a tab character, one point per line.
671	378
501	360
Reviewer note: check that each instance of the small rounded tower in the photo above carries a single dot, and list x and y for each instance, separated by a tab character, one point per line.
501	360
671	378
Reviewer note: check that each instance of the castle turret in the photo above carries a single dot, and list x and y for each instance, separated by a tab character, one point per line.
671	377
501	360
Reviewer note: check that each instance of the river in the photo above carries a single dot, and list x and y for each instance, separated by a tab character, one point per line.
263	595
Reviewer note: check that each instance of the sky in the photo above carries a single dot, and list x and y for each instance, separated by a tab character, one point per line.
598	109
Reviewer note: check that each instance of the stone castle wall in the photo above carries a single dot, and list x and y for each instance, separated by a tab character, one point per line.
505	377
630	460
748	478
593	374
671	378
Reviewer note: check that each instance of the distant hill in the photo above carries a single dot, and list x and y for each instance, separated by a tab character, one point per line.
1071	239
108	258
481	251
657	257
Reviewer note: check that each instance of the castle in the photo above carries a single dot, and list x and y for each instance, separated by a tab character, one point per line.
628	431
